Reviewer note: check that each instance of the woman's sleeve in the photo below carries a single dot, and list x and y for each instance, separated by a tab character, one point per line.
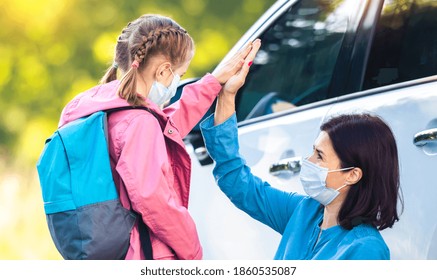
249	193
143	165
195	101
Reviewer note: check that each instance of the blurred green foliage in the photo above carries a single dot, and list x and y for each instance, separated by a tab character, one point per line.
50	50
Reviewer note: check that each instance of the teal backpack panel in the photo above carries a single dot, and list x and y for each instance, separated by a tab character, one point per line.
85	217
87	150
74	162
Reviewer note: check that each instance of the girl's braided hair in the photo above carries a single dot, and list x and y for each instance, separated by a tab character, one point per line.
141	39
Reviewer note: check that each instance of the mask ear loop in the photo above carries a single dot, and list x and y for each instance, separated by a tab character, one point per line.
342	169
172	72
345	185
342	187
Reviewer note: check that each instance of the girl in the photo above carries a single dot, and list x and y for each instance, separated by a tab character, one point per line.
150	165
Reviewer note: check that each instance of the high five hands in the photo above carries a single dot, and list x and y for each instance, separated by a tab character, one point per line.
225	106
237	80
238	64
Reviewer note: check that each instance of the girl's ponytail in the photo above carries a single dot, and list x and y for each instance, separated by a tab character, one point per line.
128	86
110	75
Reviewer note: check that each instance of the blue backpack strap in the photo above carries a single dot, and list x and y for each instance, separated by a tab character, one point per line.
142	227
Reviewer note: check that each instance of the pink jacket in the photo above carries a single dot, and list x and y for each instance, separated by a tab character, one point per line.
150	164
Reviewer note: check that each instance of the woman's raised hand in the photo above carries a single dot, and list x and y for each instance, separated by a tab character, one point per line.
231	66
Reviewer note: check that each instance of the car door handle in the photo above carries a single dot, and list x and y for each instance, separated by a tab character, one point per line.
424	137
201	153
288	165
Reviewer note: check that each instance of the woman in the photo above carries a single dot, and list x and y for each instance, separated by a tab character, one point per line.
150	165
351	180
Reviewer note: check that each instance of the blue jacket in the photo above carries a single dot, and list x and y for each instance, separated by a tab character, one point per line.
295	216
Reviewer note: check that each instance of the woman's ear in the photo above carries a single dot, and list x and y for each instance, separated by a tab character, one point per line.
355	176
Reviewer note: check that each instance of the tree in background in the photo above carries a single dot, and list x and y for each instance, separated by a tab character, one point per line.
50	50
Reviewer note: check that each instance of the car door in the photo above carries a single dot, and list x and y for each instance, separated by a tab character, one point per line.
279	110
319	59
399	84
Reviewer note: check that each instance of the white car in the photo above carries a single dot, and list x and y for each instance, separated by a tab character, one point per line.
320	58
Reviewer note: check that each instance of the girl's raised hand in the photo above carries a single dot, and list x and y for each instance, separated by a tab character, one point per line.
231	66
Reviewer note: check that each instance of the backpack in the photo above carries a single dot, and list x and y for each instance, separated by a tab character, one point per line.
84	215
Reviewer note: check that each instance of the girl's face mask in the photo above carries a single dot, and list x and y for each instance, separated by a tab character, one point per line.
159	94
313	179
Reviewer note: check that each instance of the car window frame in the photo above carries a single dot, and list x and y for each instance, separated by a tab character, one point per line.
349	54
353	54
353	58
350	66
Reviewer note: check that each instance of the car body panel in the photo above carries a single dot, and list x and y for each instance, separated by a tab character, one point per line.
408	107
263	143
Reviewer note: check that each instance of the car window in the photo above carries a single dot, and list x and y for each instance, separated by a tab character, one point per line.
405	43
297	58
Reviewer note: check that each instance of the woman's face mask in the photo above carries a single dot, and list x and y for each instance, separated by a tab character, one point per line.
313	179
159	94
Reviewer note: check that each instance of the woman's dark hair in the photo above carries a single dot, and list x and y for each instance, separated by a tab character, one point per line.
367	142
140	40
